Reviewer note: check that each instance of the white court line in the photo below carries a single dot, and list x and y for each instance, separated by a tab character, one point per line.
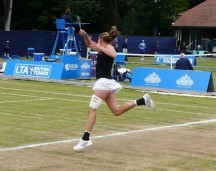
79	95
111	135
32	100
48	92
21	95
88	96
185	95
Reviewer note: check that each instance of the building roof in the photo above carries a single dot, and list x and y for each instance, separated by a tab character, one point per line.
202	15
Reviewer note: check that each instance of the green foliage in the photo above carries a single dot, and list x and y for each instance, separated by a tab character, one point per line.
87	9
133	17
194	3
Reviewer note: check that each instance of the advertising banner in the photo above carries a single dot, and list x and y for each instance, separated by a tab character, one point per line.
40	69
173	79
84	69
168	59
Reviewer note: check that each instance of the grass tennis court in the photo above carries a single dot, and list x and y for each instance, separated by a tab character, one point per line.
41	121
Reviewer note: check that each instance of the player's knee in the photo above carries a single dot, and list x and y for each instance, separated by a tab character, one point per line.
117	112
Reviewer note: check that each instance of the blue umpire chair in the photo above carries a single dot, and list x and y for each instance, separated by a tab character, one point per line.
66	32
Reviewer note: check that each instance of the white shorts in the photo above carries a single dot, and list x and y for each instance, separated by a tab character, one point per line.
107	84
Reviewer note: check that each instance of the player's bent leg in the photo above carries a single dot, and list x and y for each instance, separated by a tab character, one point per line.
116	109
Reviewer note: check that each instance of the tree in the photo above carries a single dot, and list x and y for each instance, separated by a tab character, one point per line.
41	14
194	3
7	14
132	17
168	12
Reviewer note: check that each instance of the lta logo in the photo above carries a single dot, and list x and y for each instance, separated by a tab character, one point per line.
32	70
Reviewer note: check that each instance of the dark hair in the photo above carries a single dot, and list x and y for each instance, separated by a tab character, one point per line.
111	35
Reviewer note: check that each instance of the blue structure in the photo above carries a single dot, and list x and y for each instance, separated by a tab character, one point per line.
41	69
69	42
122	73
66	65
171	59
42	41
189	80
30	52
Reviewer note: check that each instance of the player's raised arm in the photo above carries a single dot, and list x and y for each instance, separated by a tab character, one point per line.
86	37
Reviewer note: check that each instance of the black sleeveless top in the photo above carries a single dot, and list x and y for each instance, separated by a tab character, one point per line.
104	66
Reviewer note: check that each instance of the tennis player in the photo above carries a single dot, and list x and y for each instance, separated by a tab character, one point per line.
105	87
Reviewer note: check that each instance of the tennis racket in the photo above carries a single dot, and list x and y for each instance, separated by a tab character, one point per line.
79	22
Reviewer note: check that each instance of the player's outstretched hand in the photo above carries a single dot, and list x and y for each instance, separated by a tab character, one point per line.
82	32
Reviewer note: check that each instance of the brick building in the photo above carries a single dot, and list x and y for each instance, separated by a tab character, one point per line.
196	27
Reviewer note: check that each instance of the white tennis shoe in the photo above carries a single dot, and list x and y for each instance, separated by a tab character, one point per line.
149	102
82	144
